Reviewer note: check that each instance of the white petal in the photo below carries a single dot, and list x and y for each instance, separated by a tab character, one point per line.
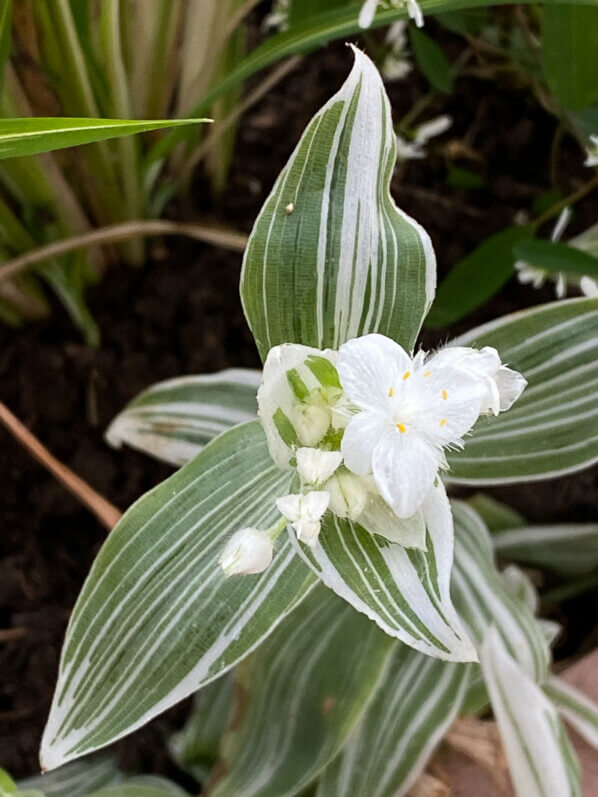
560	287
367	13
561	224
415	13
511	385
454	404
405	467
289	506
348	494
435	127
315	466
368	367
314	504
588	286
360	439
308	531
248	551
378	518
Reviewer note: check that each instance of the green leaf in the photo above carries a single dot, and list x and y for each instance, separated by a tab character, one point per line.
496	515
5	36
569	37
32	135
175	419
557	257
331	257
553	427
157	618
303	10
477	277
300	695
482	599
575	707
412	710
569	549
142	786
195	747
78	777
431	60
540	756
404	591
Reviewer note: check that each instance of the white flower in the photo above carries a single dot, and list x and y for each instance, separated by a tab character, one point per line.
396	64
368	11
348	494
415	148
589	287
410	410
305	512
315	467
592	152
248	551
527	273
278	18
503	386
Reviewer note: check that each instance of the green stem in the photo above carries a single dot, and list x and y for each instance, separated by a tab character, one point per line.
576	196
276	530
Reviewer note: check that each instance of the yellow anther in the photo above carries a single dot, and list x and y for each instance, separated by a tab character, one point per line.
444	395
391	391
443	421
428	373
401	427
407	374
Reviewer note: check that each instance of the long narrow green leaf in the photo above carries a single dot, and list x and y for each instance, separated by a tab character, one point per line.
78	777
331	257
555	256
175	419
141	787
540	756
157	617
32	135
569	548
482	600
496	515
553	427
413	708
405	592
301	694
575	707
5	36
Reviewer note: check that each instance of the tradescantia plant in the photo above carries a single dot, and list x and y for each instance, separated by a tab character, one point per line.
258	551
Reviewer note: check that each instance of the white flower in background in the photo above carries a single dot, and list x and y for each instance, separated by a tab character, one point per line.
592	152
368	11
278	18
586	241
410	149
305	513
410	410
397	63
248	551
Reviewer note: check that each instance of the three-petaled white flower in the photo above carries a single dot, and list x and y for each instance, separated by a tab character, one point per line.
411	409
305	513
368	11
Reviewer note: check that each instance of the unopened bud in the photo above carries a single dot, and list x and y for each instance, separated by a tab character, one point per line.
311	424
248	551
348	494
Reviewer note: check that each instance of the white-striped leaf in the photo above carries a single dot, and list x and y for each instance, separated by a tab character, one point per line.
175	419
142	786
76	778
569	548
540	755
482	599
157	617
553	427
414	707
404	591
575	707
331	257
195	746
300	695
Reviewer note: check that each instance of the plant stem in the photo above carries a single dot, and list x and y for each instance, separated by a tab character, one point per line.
228	239
106	513
585	189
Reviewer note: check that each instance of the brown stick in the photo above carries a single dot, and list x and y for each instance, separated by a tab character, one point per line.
106	513
228	239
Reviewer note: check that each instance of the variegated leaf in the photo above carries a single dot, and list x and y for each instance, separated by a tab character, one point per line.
299	696
157	617
575	707
175	419
331	257
540	756
78	777
482	600
569	548
553	427
142	786
413	708
404	591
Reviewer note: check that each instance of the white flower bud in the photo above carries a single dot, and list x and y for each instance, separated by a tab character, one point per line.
304	512
311	423
348	495
248	551
315	466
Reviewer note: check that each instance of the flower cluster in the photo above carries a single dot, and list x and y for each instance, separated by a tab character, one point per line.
365	429
368	11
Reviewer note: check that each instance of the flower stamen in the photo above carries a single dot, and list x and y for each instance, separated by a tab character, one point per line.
391	392
401	427
442	421
406	375
428	373
444	395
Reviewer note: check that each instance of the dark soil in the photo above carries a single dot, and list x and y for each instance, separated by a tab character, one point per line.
181	315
